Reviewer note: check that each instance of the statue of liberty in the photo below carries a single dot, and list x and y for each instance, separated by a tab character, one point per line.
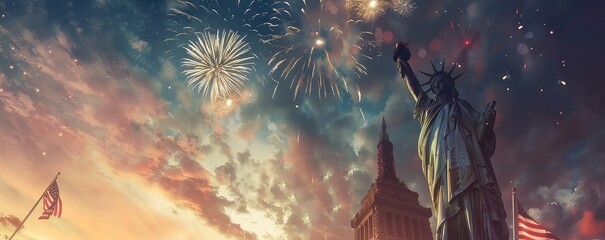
455	146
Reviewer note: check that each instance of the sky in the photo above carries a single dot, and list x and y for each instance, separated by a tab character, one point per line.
97	90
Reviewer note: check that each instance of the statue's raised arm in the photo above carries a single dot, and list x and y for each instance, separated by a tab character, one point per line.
401	56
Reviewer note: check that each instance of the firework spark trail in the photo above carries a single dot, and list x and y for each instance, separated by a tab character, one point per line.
365	122
237	204
218	64
271	179
298	137
260	19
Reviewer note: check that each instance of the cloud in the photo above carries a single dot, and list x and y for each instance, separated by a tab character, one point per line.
10	221
139	45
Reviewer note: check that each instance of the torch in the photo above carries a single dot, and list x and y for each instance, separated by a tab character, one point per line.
401	54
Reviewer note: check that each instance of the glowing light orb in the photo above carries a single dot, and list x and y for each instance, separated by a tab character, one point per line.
373	4
319	42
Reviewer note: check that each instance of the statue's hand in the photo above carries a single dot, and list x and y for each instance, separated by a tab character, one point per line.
486	120
487	137
490	118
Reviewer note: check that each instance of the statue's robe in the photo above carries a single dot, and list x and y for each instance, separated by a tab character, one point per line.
467	201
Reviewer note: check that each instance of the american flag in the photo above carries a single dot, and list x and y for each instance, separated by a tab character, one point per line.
529	229
52	202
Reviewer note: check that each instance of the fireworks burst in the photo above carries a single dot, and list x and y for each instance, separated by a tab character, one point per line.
218	64
367	10
315	57
249	95
404	8
258	20
223	107
306	61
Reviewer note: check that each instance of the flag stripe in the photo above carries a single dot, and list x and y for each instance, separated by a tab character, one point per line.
530	229
535	232
525	235
529	222
58	209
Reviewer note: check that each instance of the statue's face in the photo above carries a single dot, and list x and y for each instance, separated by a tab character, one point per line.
441	86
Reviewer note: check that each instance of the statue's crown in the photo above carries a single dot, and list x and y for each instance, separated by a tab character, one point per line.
440	73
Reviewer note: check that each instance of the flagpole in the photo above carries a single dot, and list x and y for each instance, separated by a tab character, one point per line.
515	236
30	211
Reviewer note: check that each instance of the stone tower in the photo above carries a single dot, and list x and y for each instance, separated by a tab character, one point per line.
390	210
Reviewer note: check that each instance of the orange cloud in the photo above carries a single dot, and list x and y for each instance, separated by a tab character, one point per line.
591	227
9	221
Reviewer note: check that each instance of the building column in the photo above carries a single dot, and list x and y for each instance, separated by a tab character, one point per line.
371	223
413	228
420	232
366	227
361	232
406	223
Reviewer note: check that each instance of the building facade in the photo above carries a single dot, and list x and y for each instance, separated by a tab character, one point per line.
390	210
